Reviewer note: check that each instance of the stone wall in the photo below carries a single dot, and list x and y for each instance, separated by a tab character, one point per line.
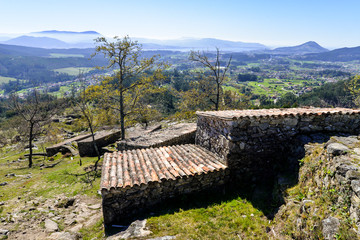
102	139
51	151
183	133
120	204
254	142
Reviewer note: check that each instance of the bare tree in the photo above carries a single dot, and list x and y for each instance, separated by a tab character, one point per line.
35	112
83	103
218	72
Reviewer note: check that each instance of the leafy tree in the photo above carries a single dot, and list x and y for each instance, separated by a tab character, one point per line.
35	112
353	86
329	95
234	100
287	100
247	77
218	73
131	71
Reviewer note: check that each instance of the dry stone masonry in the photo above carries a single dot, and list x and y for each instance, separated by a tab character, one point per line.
182	133
251	140
102	139
329	183
51	151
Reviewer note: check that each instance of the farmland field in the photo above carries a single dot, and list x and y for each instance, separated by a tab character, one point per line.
275	87
6	79
62	55
73	71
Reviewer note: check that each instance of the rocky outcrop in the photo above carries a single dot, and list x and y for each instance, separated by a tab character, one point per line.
136	229
51	226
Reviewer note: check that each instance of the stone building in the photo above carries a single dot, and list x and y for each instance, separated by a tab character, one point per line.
251	142
135	180
239	142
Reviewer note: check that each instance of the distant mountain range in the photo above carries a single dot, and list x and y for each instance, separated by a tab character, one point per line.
66	32
54	39
337	55
68	39
208	44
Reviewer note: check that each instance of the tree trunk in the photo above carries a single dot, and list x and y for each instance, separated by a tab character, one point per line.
30	145
122	115
95	147
217	97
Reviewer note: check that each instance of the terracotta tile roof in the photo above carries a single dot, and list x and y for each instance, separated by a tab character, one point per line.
275	112
142	166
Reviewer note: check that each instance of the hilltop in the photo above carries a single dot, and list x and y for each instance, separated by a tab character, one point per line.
308	47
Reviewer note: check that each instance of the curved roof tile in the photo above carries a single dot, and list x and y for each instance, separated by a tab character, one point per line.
142	166
275	112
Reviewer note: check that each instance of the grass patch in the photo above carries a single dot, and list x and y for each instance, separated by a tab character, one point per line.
94	232
46	182
232	219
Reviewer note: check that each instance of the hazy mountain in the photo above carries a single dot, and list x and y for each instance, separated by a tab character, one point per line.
339	55
67	32
71	39
209	44
15	50
37	42
77	39
308	47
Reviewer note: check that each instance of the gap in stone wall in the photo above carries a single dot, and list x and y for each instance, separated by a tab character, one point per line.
265	187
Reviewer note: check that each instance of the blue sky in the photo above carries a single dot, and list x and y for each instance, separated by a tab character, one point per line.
331	23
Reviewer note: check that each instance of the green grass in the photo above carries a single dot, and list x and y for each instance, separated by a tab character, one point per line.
94	232
73	71
273	87
233	219
62	91
63	55
230	88
46	182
